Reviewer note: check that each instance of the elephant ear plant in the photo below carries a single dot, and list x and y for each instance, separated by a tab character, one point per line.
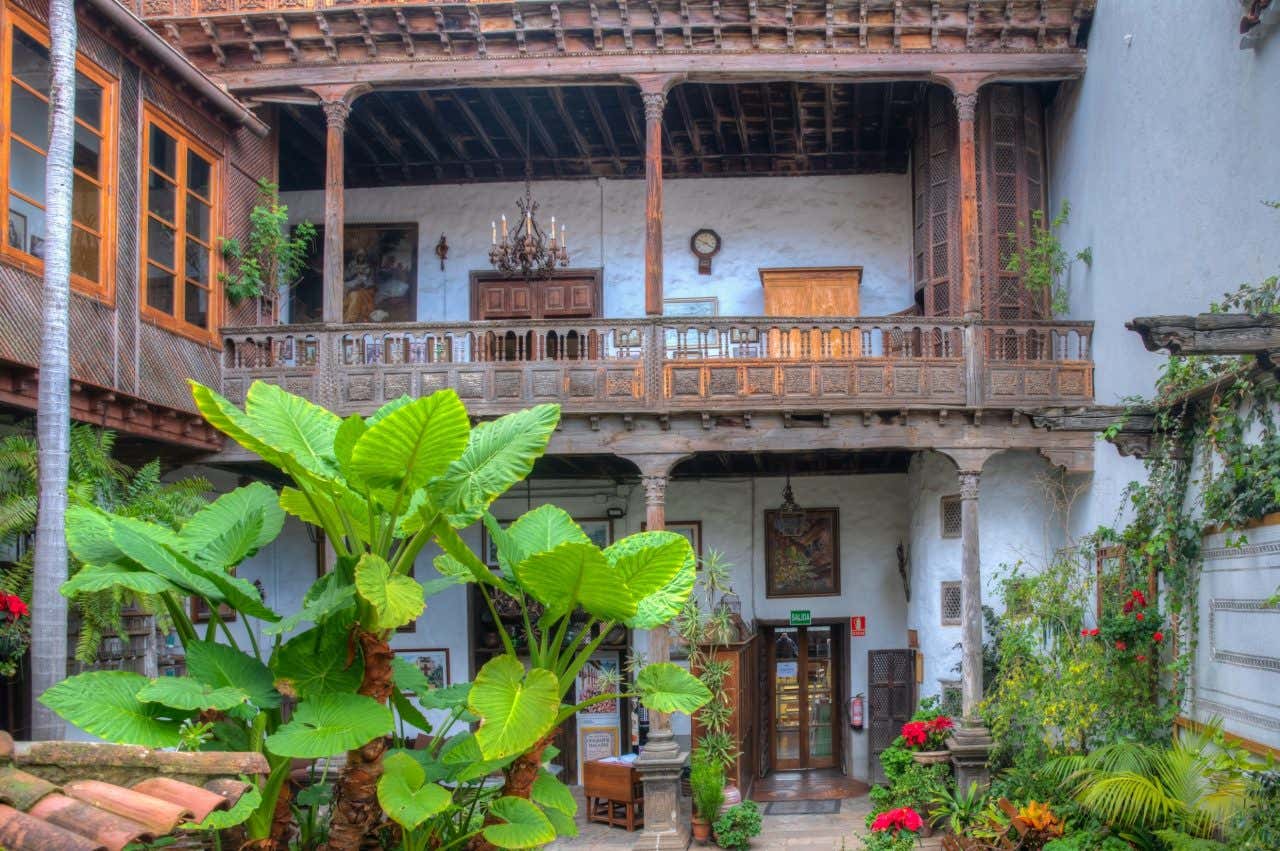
381	488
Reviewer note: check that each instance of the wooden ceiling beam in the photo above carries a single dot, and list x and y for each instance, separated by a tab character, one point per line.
740	118
443	127
602	124
504	121
828	114
579	143
473	121
690	126
716	118
797	129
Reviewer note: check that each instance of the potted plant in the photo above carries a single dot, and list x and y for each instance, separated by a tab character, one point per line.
706	779
270	257
737	825
927	740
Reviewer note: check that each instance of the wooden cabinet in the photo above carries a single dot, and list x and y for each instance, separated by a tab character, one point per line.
740	690
830	291
571	294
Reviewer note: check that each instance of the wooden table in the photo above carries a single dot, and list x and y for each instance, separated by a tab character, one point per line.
614	793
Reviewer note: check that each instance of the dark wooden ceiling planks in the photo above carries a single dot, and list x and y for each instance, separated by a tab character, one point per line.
711	130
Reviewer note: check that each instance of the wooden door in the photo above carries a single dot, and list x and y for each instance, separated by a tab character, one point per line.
829	292
804	669
891	700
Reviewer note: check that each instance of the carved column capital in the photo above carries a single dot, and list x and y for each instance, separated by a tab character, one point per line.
969	482
336	113
655	489
966	105
654	103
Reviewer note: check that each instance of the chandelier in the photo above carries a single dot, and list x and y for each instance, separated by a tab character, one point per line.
790	517
527	252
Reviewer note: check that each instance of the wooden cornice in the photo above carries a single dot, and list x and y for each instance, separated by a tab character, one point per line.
1137	433
254	45
1210	333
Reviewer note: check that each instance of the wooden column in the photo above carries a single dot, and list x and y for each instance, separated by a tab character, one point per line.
336	103
654	102
970	287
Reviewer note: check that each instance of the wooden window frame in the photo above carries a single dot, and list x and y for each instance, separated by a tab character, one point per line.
943	589
186	141
104	288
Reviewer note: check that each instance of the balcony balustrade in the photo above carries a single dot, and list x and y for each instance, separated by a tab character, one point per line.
668	364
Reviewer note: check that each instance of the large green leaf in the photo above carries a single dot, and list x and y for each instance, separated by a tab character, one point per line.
449	697
231	421
406	796
207	535
293	426
344	441
106	577
352	504
222	666
89	535
191	694
414	443
105	704
645	558
138	540
409	714
314	662
575	573
549	793
500	453
330	724
463	761
516	708
461	555
326	598
396	600
525	825
544	528
408	676
666	687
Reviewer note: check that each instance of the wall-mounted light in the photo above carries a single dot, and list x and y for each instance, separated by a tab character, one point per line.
613	512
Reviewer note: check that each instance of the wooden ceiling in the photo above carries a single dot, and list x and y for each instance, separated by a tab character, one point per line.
572	132
710	465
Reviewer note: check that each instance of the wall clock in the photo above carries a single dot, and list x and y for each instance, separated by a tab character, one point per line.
705	244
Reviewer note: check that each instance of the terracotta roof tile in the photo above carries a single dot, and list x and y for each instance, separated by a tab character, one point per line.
72	798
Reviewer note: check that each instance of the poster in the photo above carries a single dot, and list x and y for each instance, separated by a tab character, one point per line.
599	725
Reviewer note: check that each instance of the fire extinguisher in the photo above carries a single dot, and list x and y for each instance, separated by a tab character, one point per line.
855	712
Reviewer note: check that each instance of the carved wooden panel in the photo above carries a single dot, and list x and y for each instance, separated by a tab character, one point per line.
1010	191
811	292
936	198
574	293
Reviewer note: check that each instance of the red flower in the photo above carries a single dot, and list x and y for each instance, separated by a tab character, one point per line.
13	605
1084	632
941	723
1141	658
1159	636
1093	631
1120	645
1140	616
916	733
1128	606
903	818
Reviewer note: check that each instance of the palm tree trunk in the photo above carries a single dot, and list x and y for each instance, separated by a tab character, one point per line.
356	810
53	417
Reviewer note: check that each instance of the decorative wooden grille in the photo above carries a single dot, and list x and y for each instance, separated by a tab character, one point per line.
891	699
950	512
935	172
951	606
1010	187
952	697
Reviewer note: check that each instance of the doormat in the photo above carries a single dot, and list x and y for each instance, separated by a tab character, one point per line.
802	808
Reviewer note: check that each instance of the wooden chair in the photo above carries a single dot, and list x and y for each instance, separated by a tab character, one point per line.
614	793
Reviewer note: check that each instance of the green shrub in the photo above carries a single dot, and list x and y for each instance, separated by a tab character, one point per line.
735	828
706	779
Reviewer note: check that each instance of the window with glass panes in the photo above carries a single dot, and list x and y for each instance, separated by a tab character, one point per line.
26	80
180	185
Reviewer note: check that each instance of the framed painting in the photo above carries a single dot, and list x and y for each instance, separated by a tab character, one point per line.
379	275
691	529
806	564
703	306
598	529
433	662
200	611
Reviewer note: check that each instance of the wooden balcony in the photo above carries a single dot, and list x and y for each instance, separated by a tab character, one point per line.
666	364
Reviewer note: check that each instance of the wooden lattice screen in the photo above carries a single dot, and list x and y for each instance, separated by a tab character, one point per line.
1011	185
935	168
891	700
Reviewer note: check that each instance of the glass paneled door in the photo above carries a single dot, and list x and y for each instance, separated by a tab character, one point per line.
804	663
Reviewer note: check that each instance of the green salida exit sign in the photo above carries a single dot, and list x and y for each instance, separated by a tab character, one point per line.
801	617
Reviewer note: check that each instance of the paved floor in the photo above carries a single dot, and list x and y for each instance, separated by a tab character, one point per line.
812	832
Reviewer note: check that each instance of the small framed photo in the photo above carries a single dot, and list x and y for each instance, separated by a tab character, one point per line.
432	661
691	529
200	611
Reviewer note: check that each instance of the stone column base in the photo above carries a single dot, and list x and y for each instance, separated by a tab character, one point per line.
663	829
970	751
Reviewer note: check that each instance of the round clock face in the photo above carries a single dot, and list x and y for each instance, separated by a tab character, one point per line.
706	242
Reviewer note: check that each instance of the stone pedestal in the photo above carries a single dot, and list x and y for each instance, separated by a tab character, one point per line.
659	766
970	752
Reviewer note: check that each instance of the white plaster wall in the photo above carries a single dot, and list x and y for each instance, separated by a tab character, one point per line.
1018	523
859	220
1165	150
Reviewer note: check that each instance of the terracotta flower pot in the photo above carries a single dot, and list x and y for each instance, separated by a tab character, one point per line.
931	757
701	829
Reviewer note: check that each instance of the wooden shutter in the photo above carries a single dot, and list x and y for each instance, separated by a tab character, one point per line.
891	700
1010	187
935	171
829	291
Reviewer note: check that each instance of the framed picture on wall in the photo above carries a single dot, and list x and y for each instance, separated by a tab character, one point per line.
703	306
691	529
379	275
200	611
433	662
806	564
598	529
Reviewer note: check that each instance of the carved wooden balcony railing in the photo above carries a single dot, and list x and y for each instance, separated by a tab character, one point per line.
670	364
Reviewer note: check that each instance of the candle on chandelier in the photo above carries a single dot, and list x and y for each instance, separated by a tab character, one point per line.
504	227
494	237
553	231
562	242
